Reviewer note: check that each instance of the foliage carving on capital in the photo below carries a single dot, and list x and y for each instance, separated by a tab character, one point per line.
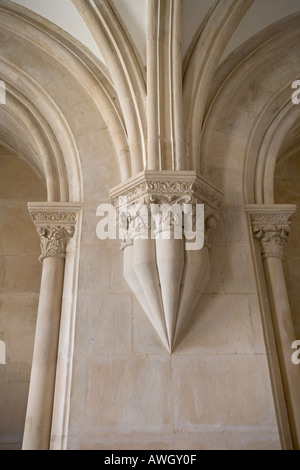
135	202
53	240
272	230
55	226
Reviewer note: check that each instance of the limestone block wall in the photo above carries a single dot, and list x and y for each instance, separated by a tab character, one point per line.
219	388
128	392
287	189
20	273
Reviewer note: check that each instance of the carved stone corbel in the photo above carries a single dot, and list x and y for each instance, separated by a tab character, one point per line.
165	273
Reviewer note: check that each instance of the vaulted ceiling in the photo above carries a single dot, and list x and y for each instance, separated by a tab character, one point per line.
133	13
41	63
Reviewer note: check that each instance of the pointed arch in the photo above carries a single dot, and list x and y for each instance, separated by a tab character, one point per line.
77	60
52	149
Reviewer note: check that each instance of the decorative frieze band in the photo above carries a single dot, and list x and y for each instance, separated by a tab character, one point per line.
138	201
271	225
55	224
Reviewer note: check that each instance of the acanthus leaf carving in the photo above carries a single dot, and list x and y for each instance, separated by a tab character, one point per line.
167	188
53	240
55	225
272	228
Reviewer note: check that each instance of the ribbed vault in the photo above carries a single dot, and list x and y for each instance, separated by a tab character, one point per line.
250	101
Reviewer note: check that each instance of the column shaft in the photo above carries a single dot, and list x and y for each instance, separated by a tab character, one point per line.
271	226
284	335
55	224
40	401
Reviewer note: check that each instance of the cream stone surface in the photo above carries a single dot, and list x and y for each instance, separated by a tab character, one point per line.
286	189
167	276
271	226
153	346
19	293
56	225
2	353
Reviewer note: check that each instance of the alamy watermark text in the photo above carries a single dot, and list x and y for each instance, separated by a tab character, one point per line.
296	94
154	221
2	92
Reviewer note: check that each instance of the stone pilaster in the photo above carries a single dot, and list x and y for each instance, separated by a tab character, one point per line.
271	225
55	224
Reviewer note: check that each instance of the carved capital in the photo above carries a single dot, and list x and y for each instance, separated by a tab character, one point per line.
271	225
55	225
137	201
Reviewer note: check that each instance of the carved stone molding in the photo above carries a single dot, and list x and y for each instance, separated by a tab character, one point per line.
271	225
136	199
165	274
55	225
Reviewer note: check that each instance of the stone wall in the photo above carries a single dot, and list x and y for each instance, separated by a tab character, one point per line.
286	186
128	392
20	274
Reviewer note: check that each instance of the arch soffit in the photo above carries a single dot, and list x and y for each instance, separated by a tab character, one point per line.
55	154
